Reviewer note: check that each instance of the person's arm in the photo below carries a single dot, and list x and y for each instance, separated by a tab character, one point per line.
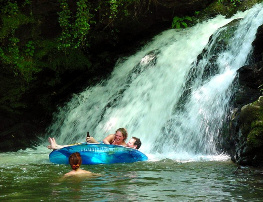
91	140
109	139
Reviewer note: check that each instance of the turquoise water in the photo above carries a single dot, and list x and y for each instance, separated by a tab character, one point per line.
34	178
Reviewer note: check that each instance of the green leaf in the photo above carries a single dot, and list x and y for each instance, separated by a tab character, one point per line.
184	24
188	18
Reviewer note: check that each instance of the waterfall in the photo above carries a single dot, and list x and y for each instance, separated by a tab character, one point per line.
173	93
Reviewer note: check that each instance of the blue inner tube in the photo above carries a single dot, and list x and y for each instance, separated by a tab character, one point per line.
98	154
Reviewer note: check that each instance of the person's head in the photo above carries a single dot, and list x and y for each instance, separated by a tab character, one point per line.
75	160
121	135
134	143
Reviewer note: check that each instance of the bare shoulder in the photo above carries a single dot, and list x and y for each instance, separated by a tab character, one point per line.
88	174
81	173
70	173
84	172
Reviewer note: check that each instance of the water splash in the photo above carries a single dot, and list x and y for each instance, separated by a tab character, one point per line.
163	94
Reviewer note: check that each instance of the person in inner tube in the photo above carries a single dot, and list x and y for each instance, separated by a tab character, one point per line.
116	139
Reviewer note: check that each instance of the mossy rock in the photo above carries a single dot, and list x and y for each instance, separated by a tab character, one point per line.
227	7
251	121
255	136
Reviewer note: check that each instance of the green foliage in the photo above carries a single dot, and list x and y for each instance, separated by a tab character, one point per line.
64	21
19	58
76	26
61	62
12	53
82	25
29	49
12	19
179	22
28	55
114	5
117	9
74	29
233	2
27	2
10	9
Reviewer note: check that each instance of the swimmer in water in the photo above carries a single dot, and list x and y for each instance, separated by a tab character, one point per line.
75	162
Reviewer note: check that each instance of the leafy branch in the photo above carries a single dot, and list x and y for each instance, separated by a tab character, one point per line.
74	28
179	22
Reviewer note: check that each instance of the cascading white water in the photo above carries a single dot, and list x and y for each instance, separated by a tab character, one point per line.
163	94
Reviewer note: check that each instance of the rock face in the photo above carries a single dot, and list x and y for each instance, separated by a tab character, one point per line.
246	127
258	45
250	79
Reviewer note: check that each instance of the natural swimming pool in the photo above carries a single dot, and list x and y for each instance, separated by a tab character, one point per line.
30	176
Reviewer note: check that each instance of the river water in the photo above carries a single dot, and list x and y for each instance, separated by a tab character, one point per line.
174	95
29	176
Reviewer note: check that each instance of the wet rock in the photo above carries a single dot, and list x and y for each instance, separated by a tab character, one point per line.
258	45
246	125
249	142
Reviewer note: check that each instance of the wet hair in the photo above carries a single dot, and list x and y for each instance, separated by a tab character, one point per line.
75	160
124	133
137	142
